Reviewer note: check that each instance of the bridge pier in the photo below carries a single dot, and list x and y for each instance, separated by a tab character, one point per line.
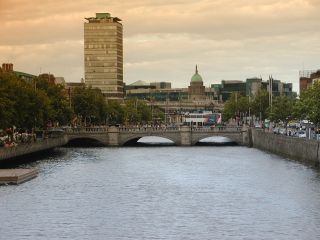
113	136
185	136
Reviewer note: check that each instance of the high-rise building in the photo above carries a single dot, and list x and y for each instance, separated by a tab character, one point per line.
103	54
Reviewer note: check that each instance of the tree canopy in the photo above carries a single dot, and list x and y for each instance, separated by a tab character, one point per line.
28	104
282	109
308	107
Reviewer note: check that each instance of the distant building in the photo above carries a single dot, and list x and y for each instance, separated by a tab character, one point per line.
24	76
60	80
161	85
49	77
8	67
250	87
253	85
176	102
70	86
307	78
139	85
196	89
231	86
103	54
162	91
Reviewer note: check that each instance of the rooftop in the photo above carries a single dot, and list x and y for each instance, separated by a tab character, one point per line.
103	17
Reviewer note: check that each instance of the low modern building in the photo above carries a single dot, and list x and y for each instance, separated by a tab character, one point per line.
250	87
161	85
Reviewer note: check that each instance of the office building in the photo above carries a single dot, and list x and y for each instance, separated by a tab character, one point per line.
103	54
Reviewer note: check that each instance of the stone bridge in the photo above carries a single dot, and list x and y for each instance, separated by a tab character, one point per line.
181	136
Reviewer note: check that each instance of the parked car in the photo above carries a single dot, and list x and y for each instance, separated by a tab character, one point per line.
302	134
282	131
276	130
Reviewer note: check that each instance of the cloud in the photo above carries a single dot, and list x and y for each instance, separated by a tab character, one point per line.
165	39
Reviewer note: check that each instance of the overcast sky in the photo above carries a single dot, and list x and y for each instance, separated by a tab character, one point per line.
165	39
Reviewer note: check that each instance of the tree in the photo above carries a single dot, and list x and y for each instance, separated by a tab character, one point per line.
144	111
236	106
308	107
21	105
59	109
282	109
131	112
115	113
90	105
260	104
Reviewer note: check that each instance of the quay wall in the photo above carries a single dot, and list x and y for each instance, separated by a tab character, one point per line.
300	149
28	148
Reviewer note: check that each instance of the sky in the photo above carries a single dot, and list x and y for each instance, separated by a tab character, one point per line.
165	39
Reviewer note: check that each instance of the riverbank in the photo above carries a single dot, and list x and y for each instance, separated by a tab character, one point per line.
29	148
300	149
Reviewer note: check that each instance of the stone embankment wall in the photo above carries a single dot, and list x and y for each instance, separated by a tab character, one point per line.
301	149
23	149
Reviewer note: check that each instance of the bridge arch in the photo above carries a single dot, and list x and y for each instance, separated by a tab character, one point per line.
130	139
237	139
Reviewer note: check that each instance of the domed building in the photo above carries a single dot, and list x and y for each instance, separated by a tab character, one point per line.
196	89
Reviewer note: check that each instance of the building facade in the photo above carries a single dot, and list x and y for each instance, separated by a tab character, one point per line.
250	87
307	78
196	88
103	54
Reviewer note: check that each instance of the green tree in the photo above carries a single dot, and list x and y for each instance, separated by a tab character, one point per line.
236	106
308	107
115	113
21	105
282	109
90	105
131	112
59	109
144	111
260	104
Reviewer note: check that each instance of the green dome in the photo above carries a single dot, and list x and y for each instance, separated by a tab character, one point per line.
196	77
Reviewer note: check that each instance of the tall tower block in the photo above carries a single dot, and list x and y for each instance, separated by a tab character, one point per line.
103	54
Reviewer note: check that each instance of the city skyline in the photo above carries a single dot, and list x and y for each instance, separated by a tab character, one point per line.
163	41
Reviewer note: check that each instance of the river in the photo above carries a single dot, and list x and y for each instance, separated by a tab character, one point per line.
163	193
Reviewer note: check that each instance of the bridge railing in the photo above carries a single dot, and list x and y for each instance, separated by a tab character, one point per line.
218	129
93	130
86	130
149	129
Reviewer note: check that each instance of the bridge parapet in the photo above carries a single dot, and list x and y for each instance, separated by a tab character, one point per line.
149	129
86	130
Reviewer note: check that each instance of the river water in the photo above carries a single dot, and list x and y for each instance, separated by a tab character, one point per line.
163	193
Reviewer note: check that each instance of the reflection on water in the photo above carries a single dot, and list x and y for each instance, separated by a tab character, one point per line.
163	193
